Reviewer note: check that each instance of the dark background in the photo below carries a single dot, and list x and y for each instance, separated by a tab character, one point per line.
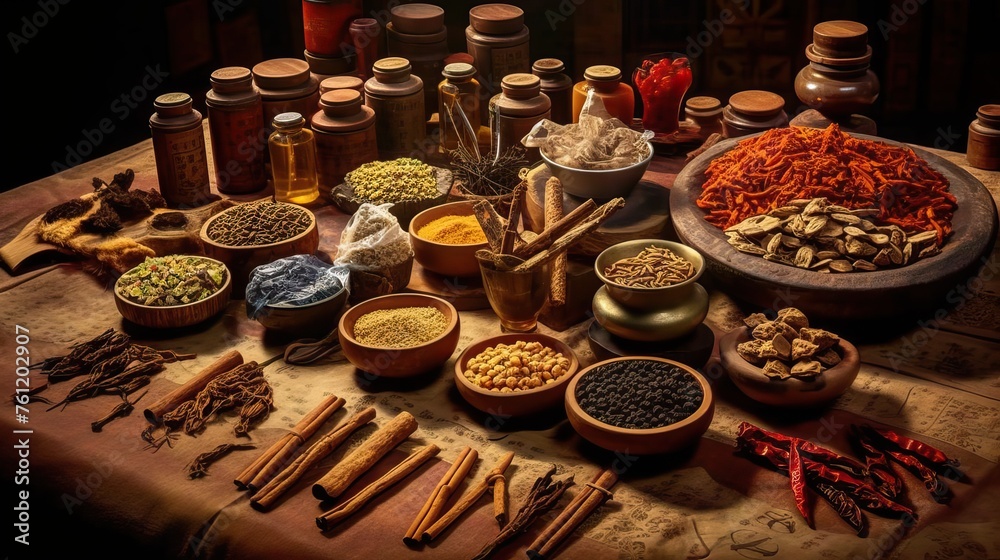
69	67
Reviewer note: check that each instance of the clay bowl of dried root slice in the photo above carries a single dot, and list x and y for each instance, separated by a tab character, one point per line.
353	192
399	335
173	291
255	233
534	370
778	365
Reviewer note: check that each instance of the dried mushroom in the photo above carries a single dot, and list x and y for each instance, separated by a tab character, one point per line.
787	346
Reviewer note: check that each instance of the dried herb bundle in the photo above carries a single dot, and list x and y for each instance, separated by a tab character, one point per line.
199	466
544	495
493	175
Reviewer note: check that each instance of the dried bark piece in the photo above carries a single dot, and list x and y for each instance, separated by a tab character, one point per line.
803	349
750	351
807	368
755	319
828	357
766	331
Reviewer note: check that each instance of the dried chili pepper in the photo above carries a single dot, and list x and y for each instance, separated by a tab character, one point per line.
817	452
845	507
939	490
797	479
879	468
929	455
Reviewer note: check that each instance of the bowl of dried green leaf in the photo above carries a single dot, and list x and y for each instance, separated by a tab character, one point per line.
173	291
410	185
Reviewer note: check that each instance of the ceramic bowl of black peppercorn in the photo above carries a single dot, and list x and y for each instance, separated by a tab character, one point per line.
640	405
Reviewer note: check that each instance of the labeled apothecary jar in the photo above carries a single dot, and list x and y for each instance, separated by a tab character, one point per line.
606	81
325	25
753	111
345	136
497	39
236	128
558	86
397	97
286	86
179	150
515	110
458	107
417	33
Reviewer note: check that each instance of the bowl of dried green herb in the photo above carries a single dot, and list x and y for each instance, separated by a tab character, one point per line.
399	335
251	234
410	185
173	291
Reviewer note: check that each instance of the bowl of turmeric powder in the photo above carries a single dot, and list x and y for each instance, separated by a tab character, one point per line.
445	239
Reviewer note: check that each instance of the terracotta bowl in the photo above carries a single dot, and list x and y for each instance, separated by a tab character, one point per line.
649	298
652	441
242	259
173	316
316	319
792	392
444	258
599	183
399	362
521	403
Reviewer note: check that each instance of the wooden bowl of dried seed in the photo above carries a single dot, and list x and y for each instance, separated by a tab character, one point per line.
399	335
785	362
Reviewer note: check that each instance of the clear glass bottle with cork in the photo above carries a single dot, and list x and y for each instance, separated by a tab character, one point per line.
236	128
293	159
179	150
459	94
515	110
345	136
558	86
606	81
397	97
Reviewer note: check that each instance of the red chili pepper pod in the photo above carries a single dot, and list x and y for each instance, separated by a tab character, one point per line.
797	479
940	491
879	468
845	507
929	455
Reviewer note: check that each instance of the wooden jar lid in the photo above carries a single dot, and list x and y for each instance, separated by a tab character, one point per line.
417	19
703	105
757	103
840	43
342	111
330	65
341	82
602	73
496	19
548	66
281	73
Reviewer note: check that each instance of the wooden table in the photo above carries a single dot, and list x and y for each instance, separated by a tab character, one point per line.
935	379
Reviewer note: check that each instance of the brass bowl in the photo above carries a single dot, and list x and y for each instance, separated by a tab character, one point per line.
651	325
520	403
649	298
652	441
788	393
399	362
446	259
174	316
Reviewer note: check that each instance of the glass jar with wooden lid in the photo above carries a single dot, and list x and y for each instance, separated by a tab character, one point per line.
606	81
753	111
345	136
515	110
459	91
397	97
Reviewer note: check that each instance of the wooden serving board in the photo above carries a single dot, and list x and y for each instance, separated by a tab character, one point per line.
850	297
646	214
465	293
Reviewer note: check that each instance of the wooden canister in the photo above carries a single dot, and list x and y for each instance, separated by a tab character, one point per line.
983	149
397	97
497	39
286	86
753	111
236	127
345	136
514	111
179	150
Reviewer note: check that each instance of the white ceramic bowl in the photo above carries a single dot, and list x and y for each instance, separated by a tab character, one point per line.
599	183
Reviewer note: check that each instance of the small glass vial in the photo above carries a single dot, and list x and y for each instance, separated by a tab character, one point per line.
459	90
179	150
236	127
606	81
345	136
397	97
514	111
293	159
558	86
497	39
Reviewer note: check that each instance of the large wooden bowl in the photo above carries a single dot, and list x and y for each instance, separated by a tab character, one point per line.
399	362
521	403
788	393
174	316
242	259
653	441
877	295
446	259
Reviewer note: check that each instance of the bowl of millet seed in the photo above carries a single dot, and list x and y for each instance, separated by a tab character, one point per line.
640	405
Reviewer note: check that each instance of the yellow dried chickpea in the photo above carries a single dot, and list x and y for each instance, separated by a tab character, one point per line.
521	366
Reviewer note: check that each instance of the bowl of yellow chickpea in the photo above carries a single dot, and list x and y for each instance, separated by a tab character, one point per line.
515	374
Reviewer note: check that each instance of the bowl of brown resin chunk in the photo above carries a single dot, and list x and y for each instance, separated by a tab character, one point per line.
248	235
445	239
786	362
515	374
399	335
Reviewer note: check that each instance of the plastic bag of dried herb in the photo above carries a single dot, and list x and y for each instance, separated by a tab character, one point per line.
372	240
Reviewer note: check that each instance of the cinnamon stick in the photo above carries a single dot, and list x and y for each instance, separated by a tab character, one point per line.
441	494
493	225
358	501
364	457
590	224
280	453
550	234
277	486
187	391
513	220
553	213
574	514
500	500
470	498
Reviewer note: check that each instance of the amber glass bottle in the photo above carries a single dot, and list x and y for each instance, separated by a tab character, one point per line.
619	99
293	160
